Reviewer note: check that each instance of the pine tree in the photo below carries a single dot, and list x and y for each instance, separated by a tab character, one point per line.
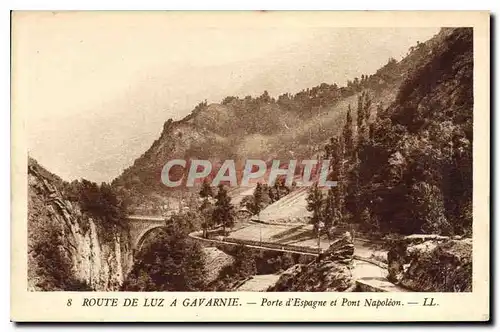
315	205
366	107
347	135
206	190
353	191
224	210
194	267
360	116
279	190
330	209
427	210
255	205
358	163
329	148
206	210
335	152
361	120
244	262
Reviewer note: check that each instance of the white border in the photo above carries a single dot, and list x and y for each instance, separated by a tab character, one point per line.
159	5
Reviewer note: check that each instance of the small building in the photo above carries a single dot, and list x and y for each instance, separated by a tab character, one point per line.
244	213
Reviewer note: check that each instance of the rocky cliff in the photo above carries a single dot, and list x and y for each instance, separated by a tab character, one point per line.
431	263
67	248
331	272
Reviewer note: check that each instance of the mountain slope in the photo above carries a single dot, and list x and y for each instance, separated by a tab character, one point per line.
413	171
68	248
420	145
288	127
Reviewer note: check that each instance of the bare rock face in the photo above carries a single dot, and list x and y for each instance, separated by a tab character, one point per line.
431	263
66	249
331	272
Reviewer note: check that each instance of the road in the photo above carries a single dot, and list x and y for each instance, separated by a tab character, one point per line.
146	218
365	270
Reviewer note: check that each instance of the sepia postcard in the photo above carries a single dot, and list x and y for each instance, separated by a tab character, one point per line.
250	166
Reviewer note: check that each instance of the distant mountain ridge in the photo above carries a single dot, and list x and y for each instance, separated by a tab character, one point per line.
287	127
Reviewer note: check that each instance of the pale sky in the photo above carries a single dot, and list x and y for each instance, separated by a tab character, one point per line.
97	87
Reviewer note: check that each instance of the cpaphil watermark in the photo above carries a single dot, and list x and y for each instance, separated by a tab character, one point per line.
180	172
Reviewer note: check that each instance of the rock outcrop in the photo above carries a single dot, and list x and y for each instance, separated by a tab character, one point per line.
431	263
67	249
331	272
215	261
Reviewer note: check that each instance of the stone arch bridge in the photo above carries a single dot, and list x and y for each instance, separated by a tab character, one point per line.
142	226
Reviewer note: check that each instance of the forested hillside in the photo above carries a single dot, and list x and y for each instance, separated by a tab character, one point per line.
400	146
290	126
408	168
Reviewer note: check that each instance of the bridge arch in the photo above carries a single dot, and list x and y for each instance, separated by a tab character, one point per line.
144	235
141	227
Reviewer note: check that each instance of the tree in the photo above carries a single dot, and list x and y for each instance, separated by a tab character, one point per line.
329	148
363	114
224	211
244	266
206	190
315	205
255	204
279	190
206	210
335	154
102	203
228	100
168	262
244	262
360	112
52	264
352	191
330	209
264	97
366	107
458	199
185	222
194	268
347	135
427	210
